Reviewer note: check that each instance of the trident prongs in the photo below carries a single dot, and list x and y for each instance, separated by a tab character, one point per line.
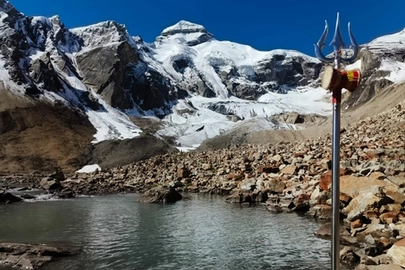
354	46
337	44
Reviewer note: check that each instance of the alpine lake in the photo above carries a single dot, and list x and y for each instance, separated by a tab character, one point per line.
199	232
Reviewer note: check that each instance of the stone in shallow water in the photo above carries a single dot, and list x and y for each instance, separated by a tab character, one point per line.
32	256
161	194
6	197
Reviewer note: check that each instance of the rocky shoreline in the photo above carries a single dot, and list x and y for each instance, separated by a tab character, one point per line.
285	177
32	256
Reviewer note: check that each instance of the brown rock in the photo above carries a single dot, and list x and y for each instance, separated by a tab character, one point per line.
396	195
389	217
390	207
344	198
384	242
356	224
374	231
377	175
371	214
352	185
361	203
234	176
325	231
325	183
268	169
397	252
303	198
289	170
183	172
299	154
275	185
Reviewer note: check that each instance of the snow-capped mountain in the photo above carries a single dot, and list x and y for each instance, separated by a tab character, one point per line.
187	84
186	77
382	65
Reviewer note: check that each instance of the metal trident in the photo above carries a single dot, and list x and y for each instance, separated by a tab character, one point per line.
338	45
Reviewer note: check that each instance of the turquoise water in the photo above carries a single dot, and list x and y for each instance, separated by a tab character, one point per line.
204	232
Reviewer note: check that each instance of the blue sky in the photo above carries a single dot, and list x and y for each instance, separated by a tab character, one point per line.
263	24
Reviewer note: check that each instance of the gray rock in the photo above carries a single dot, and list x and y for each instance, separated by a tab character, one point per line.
32	256
50	184
348	256
162	195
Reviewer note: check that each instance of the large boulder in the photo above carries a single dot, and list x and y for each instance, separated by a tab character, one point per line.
353	185
50	184
397	252
363	202
162	195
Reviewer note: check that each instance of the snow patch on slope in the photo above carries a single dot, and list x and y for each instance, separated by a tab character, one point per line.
396	69
192	121
393	41
109	122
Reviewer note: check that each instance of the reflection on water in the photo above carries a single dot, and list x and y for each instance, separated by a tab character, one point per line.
117	232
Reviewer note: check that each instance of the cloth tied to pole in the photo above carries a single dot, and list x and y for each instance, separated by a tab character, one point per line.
334	79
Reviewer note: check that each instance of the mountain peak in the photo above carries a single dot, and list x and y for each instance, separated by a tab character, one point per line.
183	27
6	6
102	33
12	13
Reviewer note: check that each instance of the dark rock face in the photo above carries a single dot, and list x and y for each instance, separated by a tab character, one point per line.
123	80
43	71
151	91
107	79
6	197
286	71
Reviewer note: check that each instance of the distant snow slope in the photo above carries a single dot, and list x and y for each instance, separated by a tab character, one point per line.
192	122
394	41
393	44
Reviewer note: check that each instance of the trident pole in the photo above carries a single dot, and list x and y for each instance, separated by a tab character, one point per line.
336	100
337	44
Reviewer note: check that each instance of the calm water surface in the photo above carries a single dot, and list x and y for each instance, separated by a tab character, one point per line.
117	232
